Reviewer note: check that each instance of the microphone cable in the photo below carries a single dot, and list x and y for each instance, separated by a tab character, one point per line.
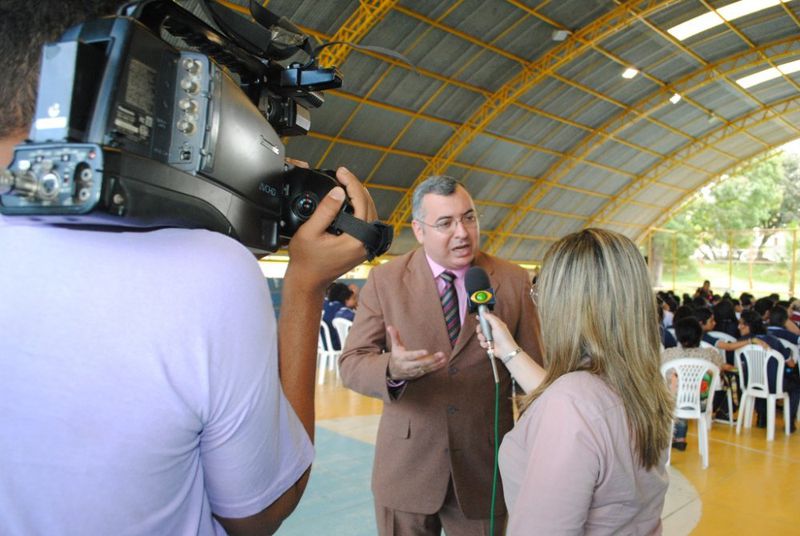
481	299
496	448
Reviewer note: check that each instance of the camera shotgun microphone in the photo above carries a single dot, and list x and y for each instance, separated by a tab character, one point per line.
481	299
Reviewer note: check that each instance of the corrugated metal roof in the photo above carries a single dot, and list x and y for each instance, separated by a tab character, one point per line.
554	139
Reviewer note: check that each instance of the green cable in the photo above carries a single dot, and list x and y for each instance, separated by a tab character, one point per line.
496	451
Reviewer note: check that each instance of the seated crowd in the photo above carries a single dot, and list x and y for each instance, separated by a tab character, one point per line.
706	324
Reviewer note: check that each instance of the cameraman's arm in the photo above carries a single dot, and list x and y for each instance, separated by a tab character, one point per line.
316	259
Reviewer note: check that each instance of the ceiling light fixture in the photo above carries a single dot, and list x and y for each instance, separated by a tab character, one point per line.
768	74
675	98
711	19
560	35
630	72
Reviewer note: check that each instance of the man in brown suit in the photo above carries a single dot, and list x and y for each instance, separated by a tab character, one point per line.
435	448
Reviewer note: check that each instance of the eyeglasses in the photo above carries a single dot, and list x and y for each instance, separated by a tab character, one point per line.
449	225
534	294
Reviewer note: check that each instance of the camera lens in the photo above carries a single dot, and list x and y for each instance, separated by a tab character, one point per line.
304	206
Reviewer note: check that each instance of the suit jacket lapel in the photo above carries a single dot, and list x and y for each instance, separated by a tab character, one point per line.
421	287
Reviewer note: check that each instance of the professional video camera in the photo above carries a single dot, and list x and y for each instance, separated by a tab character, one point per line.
133	131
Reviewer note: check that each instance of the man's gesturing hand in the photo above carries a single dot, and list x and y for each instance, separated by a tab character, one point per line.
411	364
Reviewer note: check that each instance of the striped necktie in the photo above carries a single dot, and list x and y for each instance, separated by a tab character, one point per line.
449	299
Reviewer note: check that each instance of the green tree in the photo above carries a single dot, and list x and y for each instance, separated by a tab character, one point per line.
753	197
764	195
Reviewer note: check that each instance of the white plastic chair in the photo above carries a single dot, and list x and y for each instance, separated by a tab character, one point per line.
342	327
721	387
756	359
795	350
722	336
792	347
327	357
690	372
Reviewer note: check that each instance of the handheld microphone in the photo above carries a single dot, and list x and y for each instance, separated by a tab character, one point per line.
481	297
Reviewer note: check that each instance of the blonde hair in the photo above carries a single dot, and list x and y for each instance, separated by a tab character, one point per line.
596	302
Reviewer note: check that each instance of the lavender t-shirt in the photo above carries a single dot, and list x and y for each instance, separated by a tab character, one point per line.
139	389
568	466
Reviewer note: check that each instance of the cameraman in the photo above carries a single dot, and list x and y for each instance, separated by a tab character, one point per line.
140	387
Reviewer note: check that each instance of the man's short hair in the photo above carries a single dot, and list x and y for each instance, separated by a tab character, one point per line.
436	184
778	316
26	26
682	312
762	305
703	314
754	321
688	332
338	292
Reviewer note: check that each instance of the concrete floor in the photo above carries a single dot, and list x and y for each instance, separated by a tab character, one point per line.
751	486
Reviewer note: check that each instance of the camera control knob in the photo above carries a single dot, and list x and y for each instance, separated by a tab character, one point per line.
49	186
187	127
188	105
191	66
189	86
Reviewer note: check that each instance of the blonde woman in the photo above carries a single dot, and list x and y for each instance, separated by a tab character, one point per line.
589	451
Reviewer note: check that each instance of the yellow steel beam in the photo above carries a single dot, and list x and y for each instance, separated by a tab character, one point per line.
436	23
708	74
622	106
366	97
475	89
421	109
370	12
363	19
512	141
754	118
767	59
701	61
479	169
589	43
513	57
532	73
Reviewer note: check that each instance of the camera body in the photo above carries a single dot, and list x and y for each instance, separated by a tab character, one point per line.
129	130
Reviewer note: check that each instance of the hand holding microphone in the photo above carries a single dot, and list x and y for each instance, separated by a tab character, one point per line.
481	299
503	342
492	332
526	372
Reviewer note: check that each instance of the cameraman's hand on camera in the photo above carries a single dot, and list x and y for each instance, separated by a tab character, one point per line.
321	257
316	259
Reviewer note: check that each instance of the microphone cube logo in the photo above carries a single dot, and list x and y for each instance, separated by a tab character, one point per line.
481	297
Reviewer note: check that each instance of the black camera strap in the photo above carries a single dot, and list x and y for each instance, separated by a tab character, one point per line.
376	236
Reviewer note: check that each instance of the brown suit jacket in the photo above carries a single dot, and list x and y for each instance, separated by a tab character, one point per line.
440	424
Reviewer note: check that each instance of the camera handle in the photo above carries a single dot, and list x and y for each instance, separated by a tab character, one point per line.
376	236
